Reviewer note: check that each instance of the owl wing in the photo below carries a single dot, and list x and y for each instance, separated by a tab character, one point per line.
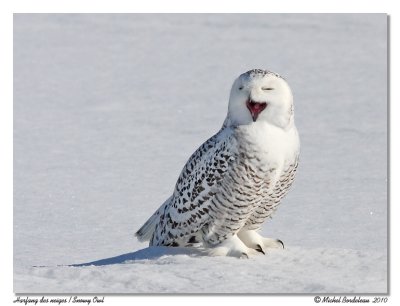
189	209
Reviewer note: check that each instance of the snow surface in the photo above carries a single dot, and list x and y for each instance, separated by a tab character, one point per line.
108	108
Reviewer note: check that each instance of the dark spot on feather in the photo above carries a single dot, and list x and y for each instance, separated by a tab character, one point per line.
193	240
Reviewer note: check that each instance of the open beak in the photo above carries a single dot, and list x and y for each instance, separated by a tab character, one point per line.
255	108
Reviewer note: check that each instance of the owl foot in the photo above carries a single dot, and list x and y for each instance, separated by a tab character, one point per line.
232	247
257	242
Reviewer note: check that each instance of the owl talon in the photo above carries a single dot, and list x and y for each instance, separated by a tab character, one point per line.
273	243
259	249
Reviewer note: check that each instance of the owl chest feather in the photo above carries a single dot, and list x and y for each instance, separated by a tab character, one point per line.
267	149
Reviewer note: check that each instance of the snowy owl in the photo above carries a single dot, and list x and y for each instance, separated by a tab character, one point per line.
235	180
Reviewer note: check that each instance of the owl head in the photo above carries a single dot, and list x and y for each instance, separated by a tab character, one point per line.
260	96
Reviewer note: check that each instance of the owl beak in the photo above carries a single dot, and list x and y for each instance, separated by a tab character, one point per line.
255	108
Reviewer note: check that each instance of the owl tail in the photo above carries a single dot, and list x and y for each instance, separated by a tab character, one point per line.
146	231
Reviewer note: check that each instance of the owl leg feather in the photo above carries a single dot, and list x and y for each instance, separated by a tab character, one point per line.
255	241
233	247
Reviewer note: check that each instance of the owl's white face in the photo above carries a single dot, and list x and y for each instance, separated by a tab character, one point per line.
258	96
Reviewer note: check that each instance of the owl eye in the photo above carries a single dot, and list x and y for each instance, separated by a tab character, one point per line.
241	87
267	88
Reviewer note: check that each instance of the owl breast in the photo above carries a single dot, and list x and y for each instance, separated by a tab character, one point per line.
269	158
257	178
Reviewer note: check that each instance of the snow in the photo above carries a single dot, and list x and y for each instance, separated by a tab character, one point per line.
108	108
297	270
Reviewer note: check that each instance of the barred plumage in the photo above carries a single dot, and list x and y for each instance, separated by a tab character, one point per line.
235	180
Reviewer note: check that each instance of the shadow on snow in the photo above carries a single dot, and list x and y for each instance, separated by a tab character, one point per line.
149	253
